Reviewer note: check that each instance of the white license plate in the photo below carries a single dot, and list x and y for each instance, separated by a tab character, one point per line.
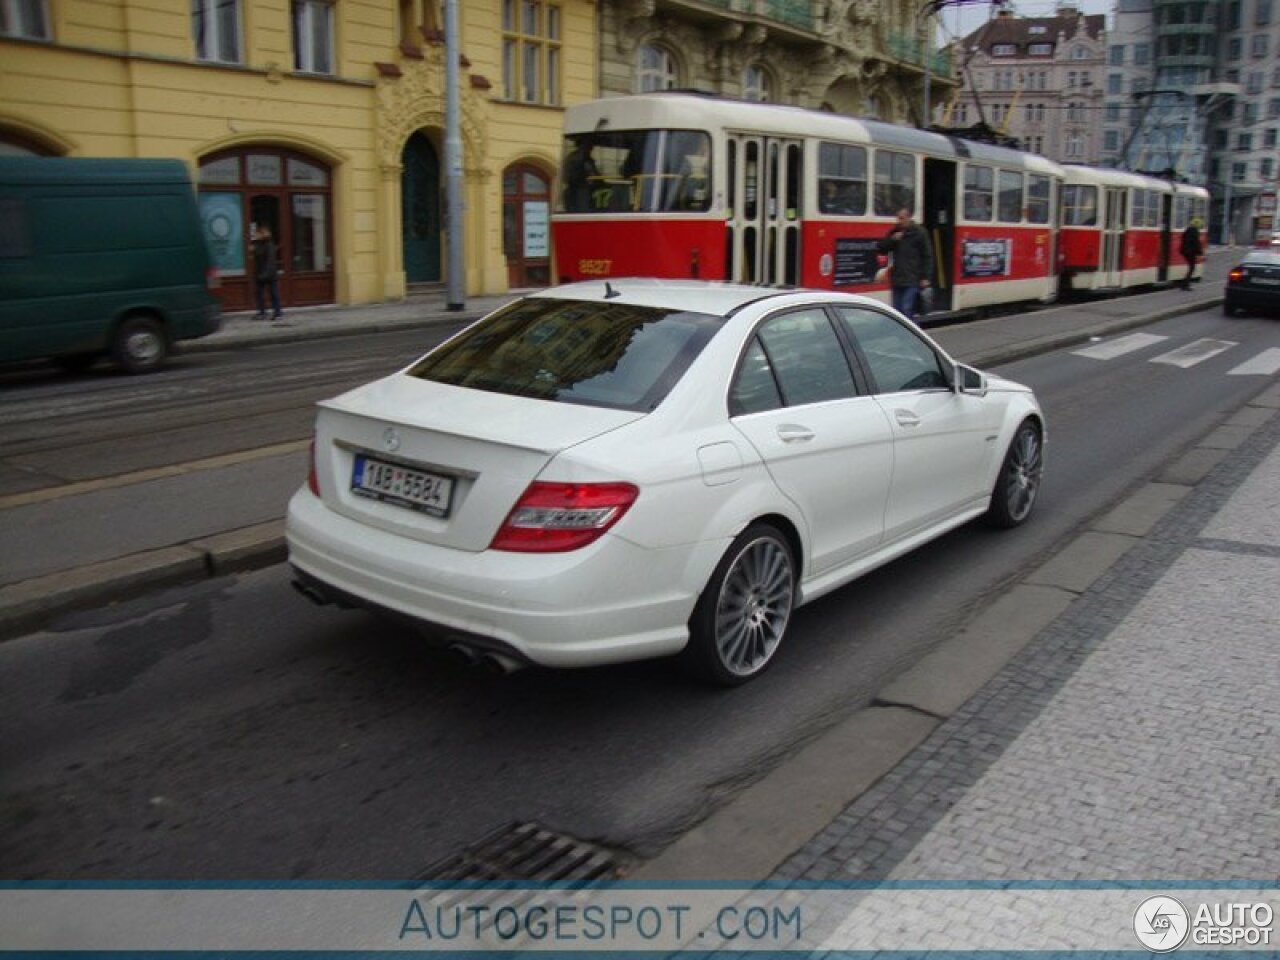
418	489
1267	281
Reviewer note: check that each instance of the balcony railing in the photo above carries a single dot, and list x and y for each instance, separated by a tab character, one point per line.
909	49
794	13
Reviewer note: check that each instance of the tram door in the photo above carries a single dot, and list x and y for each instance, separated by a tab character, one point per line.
1113	236
764	193
939	223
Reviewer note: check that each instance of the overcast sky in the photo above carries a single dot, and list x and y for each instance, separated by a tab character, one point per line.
964	18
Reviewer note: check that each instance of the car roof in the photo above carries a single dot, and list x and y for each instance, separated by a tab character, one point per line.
699	296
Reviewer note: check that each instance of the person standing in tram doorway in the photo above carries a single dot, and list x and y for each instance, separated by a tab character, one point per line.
1191	250
908	245
264	273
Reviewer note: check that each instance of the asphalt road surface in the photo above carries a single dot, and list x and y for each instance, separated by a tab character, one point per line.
232	730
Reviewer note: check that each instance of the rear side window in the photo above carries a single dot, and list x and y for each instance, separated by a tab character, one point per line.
95	224
571	351
15	229
898	358
806	358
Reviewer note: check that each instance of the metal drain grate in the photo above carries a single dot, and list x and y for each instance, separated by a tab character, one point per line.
527	851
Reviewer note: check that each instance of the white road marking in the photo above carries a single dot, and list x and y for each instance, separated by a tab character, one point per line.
1110	349
1265	363
1195	352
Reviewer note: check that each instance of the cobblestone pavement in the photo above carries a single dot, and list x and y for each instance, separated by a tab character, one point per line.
1135	738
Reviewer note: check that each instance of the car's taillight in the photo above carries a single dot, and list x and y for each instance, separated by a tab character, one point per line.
1236	275
211	278
313	481
554	517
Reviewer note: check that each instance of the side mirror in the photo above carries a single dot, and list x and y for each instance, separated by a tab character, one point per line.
968	380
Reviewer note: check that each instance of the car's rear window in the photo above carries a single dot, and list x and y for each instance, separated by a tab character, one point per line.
574	351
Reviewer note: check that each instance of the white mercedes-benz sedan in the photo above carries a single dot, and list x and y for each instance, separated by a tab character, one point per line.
609	471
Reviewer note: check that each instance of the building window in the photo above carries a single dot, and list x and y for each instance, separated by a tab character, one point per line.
1238	171
1233	15
1113	113
1244	142
1111	140
1275	77
1080	53
24	18
1235	48
1258	45
1256	80
1075	146
1004	50
1269	137
313	36
1250	115
1040	49
755	84
1141	54
1268	168
1262	15
655	70
215	24
1220	139
1075	113
1115	83
1115	55
531	51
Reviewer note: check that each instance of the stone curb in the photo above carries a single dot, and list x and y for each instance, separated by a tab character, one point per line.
30	604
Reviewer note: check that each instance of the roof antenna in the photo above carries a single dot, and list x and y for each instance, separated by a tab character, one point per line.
609	292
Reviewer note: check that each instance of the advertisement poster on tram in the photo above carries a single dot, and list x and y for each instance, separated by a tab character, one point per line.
986	258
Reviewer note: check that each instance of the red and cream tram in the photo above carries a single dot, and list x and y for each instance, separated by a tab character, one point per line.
685	185
1122	229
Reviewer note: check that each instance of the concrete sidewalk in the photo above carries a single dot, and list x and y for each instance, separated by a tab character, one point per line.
102	570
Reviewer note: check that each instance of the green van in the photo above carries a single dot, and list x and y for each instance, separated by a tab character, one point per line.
101	257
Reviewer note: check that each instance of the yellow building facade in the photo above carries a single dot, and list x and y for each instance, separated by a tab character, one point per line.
322	120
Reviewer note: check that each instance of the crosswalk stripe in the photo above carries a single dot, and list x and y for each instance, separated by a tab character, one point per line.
1110	349
1195	352
1266	363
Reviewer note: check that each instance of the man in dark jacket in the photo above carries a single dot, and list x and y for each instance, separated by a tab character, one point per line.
265	280
912	262
1191	249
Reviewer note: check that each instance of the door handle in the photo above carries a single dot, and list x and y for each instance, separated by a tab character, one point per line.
794	433
906	418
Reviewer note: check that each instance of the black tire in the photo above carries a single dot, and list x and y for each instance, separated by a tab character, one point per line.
742	616
1018	482
139	345
77	362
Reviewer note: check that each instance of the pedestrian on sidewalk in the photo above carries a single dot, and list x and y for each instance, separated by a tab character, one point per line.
264	273
1191	250
908	244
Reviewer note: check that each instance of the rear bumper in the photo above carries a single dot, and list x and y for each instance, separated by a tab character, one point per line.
1252	299
611	601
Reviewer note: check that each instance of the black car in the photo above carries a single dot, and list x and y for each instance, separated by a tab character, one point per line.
1254	284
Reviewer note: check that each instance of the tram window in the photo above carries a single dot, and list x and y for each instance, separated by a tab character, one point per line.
1009	198
1079	205
895	183
1180	207
978	189
1037	199
1137	208
842	186
1153	208
636	171
793	182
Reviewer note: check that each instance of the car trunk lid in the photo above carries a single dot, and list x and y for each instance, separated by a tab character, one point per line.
439	463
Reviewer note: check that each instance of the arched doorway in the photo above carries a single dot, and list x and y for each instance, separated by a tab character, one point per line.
526	234
420	201
292	194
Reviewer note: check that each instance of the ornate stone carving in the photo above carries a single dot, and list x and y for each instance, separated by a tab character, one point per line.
416	100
